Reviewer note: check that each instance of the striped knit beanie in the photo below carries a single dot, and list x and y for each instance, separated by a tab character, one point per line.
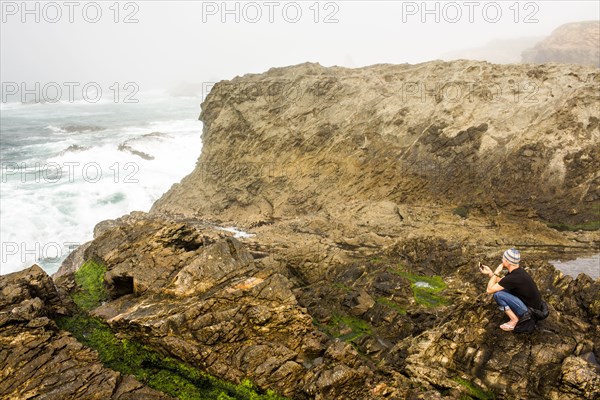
513	256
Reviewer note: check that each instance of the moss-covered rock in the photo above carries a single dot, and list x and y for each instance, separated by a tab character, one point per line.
128	356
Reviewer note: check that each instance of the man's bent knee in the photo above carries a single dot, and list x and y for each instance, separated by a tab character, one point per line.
499	298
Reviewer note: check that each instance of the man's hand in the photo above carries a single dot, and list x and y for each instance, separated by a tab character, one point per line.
486	270
492	286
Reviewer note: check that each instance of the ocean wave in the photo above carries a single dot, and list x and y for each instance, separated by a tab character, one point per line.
64	208
7	106
172	127
74	128
145	141
74	148
54	129
141	154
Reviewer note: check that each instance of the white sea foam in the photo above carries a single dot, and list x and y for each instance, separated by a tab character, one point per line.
55	129
47	208
9	105
237	232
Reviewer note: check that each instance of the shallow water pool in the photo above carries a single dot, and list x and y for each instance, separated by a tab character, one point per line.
586	265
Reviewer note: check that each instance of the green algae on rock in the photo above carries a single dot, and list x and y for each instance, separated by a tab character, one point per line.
160	372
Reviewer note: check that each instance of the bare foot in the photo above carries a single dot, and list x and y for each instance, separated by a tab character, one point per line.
508	326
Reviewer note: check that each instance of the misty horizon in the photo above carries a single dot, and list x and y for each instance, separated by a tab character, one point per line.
168	46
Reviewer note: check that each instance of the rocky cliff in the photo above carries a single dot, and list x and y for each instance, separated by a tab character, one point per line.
308	139
573	43
371	194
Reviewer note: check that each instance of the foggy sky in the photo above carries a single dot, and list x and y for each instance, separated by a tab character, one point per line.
176	42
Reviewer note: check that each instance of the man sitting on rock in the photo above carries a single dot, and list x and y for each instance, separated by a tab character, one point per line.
515	292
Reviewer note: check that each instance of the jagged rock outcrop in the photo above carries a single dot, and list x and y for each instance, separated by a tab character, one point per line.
360	331
196	293
573	43
40	361
307	139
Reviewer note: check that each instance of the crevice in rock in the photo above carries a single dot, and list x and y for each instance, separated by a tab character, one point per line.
121	286
187	245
